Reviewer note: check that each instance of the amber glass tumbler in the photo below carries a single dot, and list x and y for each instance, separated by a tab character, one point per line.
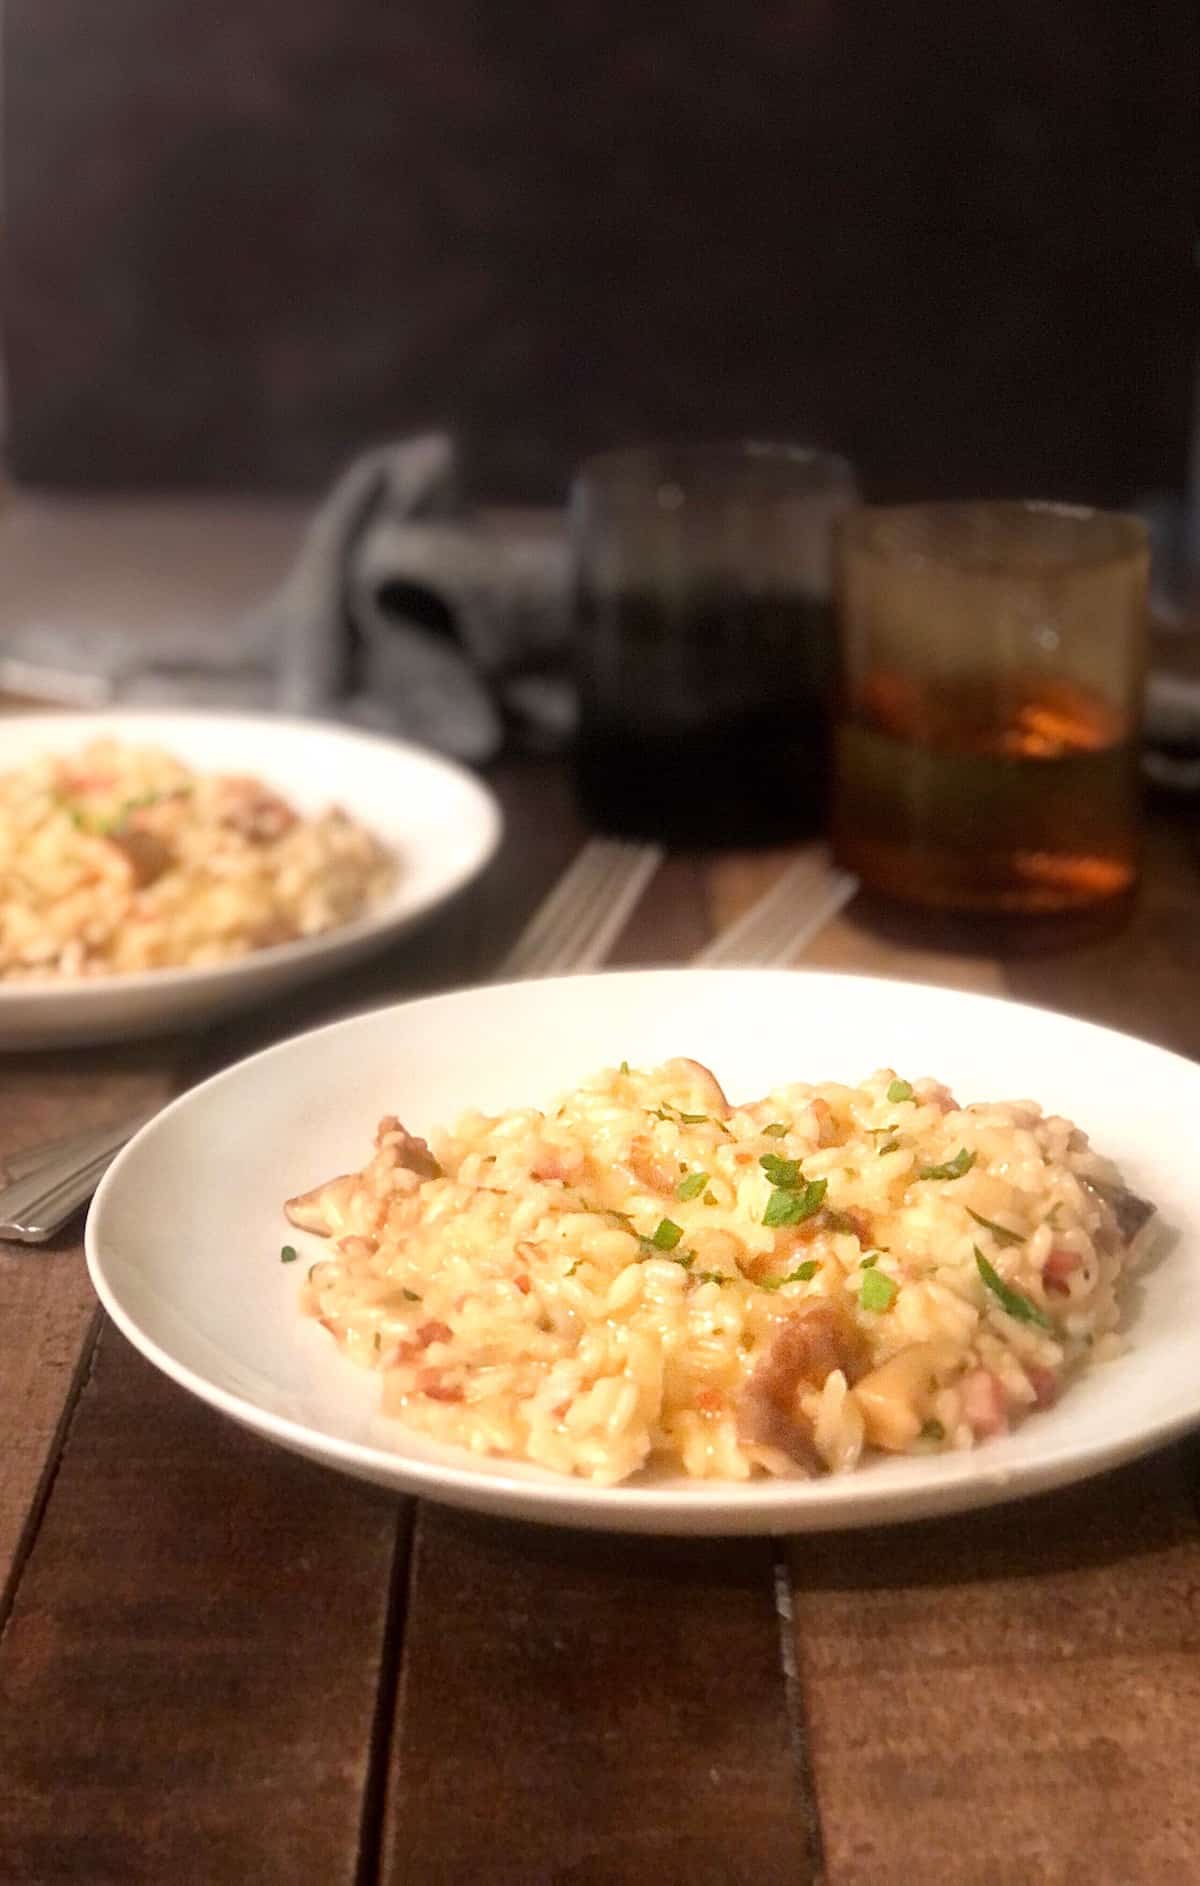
990	696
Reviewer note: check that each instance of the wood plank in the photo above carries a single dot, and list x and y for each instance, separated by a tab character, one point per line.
47	1320
189	1670
574	1707
1011	1697
46	1303
849	942
851	945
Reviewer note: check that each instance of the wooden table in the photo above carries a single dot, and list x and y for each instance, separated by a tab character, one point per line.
220	1663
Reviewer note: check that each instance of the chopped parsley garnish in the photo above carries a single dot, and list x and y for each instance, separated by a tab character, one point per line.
123	812
1001	1233
621	1218
953	1168
891	1146
899	1090
689	1187
686	1259
878	1291
677	1118
1052	1218
1014	1302
793	1207
794	1198
289	1254
712	1277
710	1198
412	1296
801	1275
666	1235
776	1130
573	1269
624	1067
105	828
933	1431
785	1172
377	1342
869	1262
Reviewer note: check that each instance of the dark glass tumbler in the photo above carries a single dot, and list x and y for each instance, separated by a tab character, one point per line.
704	639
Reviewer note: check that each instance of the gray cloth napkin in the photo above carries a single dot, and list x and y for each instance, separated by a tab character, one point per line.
404	613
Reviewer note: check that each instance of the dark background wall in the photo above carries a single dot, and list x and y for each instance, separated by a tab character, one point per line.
245	237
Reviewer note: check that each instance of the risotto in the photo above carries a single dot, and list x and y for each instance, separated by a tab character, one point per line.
647	1275
115	859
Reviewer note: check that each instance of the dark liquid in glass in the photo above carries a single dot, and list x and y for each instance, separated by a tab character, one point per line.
706	724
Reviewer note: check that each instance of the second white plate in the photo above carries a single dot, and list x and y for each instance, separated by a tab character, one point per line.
441	823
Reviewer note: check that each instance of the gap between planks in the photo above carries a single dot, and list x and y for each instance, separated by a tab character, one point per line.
373	1821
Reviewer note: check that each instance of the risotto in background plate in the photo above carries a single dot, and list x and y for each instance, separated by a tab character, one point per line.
187	1231
645	1274
195	863
117	858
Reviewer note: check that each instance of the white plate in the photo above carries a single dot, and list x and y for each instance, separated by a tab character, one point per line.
185	1233
441	823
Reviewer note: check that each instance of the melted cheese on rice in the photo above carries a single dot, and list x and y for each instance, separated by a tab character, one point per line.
646	1275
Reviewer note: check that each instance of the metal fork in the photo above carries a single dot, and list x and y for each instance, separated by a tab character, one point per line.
786	918
574	928
586	911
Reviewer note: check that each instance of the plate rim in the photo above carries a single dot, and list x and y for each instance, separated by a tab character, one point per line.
703	1508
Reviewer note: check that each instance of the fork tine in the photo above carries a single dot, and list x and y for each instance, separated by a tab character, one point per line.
572	919
786	917
585	911
578	873
790	939
744	934
590	940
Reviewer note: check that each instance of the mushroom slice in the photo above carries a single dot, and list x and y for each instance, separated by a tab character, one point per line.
324	1209
807	1347
701	1083
146	853
894	1398
1131	1212
406	1148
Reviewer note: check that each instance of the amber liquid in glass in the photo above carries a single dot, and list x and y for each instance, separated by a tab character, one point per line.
1017	796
